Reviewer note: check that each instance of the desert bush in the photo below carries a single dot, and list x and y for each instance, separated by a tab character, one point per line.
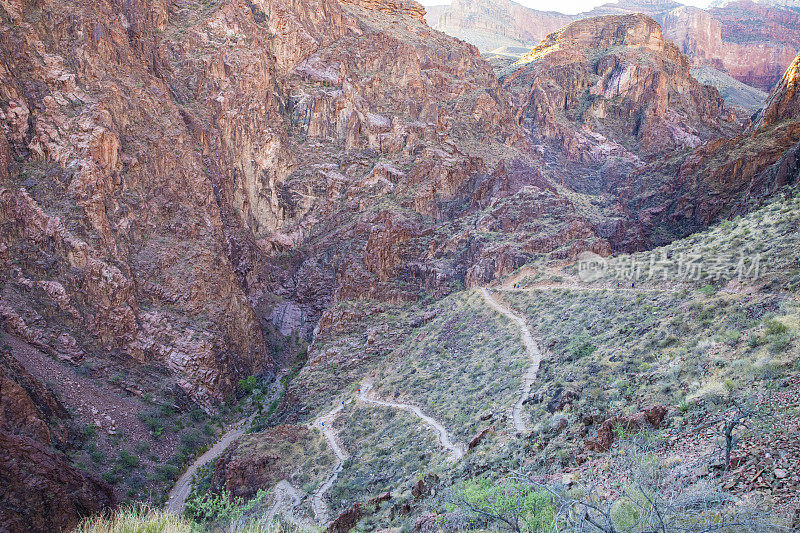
648	497
221	507
507	503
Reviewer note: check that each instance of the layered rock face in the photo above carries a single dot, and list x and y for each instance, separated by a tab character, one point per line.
108	211
784	102
721	178
409	8
490	25
615	87
752	42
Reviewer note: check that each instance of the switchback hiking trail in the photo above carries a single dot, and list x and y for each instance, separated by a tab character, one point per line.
287	499
325	425
534	354
456	449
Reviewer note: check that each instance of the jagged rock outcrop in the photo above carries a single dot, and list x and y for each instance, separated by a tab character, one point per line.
347	519
42	491
753	42
607	432
725	177
613	86
784	101
409	8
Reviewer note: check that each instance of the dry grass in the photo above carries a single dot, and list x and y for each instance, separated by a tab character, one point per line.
467	352
145	519
141	519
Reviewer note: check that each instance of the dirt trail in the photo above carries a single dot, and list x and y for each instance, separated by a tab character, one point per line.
570	282
325	425
457	449
534	354
287	499
576	287
176	501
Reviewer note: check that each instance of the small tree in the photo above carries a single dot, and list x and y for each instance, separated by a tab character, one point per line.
742	415
510	503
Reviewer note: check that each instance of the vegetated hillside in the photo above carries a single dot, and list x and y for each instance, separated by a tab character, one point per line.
752	42
737	95
195	197
707	345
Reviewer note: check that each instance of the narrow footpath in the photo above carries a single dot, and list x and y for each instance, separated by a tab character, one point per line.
324	424
176	501
456	449
534	354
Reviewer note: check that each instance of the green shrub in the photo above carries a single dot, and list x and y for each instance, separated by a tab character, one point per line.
247	384
95	454
780	343
90	431
708	290
127	460
222	507
774	327
508	502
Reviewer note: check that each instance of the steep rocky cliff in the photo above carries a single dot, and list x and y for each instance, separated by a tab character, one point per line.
725	177
39	487
491	25
753	42
108	209
614	87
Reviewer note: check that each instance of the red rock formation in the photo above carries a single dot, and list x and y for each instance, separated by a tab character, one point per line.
784	101
753	42
409	8
490	25
606	433
41	490
254	462
631	98
347	519
118	196
721	178
476	440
